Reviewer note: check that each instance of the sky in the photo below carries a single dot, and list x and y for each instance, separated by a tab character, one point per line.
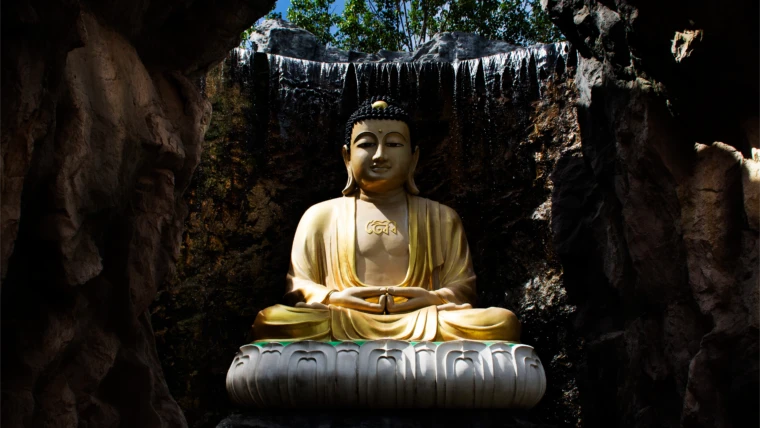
282	7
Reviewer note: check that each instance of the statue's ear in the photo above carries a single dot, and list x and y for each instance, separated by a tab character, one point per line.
411	187
351	183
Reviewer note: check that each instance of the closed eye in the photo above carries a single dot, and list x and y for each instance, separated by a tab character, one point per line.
395	139
366	144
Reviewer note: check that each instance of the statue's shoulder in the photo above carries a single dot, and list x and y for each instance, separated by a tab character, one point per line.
324	212
447	213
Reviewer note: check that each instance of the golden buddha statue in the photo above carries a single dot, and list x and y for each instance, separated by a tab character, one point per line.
381	262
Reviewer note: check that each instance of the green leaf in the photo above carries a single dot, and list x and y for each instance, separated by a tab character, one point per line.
372	25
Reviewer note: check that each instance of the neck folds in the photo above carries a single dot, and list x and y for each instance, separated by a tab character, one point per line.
397	196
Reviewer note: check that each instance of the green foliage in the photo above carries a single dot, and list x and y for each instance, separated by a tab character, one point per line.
516	21
542	28
371	25
520	22
245	35
314	16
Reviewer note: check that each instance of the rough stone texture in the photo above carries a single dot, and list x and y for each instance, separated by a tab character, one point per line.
273	150
102	129
280	37
751	188
655	224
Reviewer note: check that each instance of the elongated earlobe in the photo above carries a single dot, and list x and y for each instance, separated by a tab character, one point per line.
351	183
411	186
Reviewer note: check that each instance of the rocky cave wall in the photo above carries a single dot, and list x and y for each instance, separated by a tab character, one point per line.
102	125
653	214
656	218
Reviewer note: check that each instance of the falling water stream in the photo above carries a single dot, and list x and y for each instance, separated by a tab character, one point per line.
502	72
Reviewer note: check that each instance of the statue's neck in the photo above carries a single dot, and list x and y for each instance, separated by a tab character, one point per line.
392	197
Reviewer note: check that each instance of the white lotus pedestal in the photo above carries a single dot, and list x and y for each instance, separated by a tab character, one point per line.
387	374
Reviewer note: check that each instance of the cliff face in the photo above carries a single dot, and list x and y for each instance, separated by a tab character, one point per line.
623	233
102	129
656	218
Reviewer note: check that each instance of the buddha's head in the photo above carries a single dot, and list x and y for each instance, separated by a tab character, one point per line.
378	151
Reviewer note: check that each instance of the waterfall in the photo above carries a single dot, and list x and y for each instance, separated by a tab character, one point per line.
516	76
468	113
526	66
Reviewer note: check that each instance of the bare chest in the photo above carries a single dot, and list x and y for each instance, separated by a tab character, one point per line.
382	235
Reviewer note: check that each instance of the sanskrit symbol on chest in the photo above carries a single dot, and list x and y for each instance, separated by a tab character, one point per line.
381	227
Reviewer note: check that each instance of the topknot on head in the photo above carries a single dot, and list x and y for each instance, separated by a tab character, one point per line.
377	107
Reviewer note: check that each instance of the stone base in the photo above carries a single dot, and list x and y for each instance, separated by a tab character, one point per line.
387	374
385	418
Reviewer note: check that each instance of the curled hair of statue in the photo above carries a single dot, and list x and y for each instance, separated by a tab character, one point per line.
392	111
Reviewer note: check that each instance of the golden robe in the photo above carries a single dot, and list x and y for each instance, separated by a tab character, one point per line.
323	259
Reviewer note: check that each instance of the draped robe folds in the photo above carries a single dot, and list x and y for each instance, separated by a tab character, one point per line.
323	259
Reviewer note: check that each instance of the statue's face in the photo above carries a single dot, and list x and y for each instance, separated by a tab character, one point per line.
381	154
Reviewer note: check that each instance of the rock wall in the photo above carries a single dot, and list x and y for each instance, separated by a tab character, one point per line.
490	130
655	222
102	129
625	237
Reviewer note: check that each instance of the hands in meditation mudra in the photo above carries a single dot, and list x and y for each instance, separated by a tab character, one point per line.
381	262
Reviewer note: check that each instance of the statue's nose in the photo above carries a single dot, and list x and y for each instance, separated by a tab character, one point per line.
379	153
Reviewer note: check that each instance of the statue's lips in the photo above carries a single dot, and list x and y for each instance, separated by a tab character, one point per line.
380	168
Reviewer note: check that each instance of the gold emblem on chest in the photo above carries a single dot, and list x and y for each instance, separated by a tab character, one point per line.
380	227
